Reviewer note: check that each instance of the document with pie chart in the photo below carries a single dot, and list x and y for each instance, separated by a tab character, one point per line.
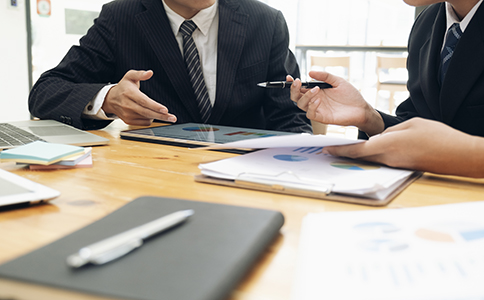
433	252
308	167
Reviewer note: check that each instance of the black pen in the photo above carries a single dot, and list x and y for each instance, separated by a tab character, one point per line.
287	84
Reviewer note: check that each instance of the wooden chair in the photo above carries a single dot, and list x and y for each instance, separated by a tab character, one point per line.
332	64
339	65
385	66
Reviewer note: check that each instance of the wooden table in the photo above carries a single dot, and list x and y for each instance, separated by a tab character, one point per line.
125	170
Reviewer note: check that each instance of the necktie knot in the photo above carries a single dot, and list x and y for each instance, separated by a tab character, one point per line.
188	27
453	35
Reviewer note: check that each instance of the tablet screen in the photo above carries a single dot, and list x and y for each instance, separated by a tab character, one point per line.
199	134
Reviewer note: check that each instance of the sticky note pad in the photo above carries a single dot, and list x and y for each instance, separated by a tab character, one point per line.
41	153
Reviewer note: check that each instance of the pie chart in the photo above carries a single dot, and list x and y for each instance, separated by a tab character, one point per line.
451	232
288	157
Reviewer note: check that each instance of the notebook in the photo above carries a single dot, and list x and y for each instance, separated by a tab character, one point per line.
16	190
202	259
13	134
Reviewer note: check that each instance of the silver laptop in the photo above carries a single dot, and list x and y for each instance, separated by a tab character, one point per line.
13	134
18	190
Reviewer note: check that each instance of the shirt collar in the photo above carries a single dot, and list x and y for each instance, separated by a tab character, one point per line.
203	19
452	17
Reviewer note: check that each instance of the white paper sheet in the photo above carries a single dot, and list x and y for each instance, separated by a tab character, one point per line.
309	166
434	252
300	140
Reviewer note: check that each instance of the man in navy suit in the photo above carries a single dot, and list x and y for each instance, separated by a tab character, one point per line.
130	65
456	99
448	98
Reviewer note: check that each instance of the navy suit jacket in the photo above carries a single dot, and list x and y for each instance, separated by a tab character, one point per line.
135	34
459	100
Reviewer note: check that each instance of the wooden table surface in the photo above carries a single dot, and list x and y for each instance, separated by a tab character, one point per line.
125	170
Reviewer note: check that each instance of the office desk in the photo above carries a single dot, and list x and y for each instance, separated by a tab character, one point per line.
126	169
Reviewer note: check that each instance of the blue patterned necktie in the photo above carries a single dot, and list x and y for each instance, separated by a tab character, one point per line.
453	35
192	61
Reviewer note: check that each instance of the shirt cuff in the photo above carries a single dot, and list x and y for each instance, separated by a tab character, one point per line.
93	109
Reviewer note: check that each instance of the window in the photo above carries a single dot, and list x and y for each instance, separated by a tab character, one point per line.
360	29
347	22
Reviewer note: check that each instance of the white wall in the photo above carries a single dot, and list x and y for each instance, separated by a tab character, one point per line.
14	82
50	42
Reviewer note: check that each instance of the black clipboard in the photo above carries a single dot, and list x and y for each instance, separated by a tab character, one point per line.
203	259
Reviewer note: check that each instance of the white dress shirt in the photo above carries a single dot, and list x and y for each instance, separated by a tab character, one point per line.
453	18
205	38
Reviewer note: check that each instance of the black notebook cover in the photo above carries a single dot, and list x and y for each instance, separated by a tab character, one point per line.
203	258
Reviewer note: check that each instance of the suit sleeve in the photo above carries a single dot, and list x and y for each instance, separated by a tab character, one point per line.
405	111
62	92
281	113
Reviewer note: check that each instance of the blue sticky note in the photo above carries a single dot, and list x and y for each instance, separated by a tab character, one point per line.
40	153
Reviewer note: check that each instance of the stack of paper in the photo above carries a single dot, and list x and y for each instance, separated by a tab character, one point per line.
83	160
434	252
40	153
300	140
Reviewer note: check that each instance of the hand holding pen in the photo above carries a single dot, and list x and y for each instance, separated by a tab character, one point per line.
340	105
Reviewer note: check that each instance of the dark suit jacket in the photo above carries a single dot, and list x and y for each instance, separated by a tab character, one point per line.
136	34
459	100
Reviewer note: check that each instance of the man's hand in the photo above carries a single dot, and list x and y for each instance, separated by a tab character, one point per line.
421	144
340	105
126	101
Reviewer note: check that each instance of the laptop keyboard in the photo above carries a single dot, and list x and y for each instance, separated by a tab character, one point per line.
12	136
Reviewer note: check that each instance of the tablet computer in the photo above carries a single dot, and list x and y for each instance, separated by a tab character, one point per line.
197	135
16	190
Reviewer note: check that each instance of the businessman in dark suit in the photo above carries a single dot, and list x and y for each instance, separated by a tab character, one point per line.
454	96
131	65
450	140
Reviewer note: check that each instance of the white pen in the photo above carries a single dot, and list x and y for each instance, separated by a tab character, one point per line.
118	245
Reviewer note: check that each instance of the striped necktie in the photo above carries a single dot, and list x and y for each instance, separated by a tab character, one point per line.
192	61
453	35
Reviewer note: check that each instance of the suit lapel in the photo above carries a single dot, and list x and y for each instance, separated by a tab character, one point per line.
429	64
466	65
231	37
159	34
